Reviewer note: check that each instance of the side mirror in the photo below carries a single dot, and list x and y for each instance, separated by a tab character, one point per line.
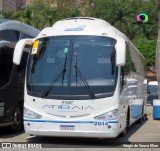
120	52
19	48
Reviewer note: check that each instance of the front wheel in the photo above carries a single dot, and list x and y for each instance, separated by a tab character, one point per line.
123	133
140	120
126	126
17	119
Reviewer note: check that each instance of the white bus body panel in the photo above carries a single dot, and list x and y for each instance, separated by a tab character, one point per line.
77	118
90	26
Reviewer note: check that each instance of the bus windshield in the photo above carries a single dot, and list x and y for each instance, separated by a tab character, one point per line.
72	67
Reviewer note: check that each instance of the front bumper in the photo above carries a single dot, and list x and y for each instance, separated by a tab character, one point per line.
71	129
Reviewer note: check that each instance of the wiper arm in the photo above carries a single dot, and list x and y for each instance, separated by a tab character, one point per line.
57	77
75	55
51	85
91	94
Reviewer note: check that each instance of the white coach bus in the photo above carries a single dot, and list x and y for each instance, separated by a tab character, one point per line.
79	80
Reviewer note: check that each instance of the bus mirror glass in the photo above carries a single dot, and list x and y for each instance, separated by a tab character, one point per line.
19	48
120	52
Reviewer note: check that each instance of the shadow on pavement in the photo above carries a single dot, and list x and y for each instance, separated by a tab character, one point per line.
5	132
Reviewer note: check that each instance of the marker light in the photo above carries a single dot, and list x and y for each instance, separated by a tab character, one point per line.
30	114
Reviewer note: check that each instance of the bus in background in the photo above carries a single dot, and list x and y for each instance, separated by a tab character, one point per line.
80	74
11	75
145	83
152	91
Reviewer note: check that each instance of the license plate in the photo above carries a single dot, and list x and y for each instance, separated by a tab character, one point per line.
67	127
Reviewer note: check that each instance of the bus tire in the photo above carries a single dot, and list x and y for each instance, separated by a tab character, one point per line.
140	120
17	124
123	133
127	125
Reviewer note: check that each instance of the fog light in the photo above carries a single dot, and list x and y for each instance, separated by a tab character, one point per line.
109	126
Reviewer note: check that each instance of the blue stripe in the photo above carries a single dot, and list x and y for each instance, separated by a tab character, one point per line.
112	121
56	121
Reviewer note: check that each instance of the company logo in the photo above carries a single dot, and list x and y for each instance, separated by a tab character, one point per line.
67	107
6	145
67	102
79	28
143	18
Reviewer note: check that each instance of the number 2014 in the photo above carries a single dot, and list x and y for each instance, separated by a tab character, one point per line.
100	123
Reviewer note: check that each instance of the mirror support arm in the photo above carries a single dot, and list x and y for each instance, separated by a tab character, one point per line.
19	48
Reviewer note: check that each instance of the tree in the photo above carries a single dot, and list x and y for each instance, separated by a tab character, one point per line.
147	48
42	13
122	14
7	14
26	15
158	52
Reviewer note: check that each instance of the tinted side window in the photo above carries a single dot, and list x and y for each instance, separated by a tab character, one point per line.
9	35
6	57
137	65
24	36
130	58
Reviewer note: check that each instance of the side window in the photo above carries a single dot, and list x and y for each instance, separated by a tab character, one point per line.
133	58
130	65
10	35
6	57
24	36
136	61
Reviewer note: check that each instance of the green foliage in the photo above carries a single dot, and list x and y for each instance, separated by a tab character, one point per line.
147	48
122	15
6	15
42	14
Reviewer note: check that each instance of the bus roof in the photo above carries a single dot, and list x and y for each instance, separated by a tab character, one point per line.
18	26
83	26
3	20
9	25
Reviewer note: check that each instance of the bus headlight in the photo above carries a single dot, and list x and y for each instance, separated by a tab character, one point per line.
30	114
112	115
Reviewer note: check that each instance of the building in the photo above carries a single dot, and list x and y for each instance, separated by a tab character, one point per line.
27	2
12	5
0	5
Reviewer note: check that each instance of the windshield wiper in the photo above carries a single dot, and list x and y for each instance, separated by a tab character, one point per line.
75	63
57	77
90	92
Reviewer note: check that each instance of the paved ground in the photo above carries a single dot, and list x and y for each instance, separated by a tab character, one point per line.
148	131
